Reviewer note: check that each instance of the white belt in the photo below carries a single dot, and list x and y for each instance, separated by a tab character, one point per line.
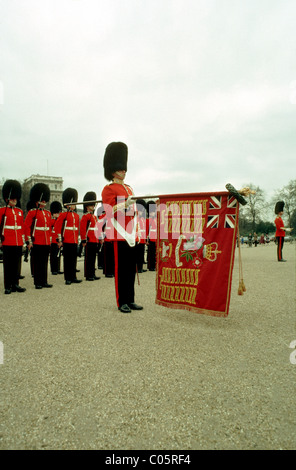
13	227
91	228
44	229
71	228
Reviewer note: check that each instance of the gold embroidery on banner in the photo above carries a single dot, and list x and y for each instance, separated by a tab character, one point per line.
179	285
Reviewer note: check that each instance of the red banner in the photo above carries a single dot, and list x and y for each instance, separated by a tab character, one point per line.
195	251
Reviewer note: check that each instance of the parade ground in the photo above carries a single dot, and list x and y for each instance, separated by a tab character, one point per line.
78	374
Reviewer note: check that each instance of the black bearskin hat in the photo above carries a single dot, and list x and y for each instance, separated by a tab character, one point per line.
90	196
70	195
279	207
11	190
141	206
115	159
40	192
55	207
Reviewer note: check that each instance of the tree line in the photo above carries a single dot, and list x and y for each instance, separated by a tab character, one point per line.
258	215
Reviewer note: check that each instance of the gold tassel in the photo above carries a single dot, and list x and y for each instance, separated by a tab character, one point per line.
241	287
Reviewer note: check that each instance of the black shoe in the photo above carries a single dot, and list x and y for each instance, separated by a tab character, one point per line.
47	285
90	278
68	283
17	289
21	276
38	287
134	306
7	291
96	278
124	308
76	281
60	272
282	260
109	275
54	274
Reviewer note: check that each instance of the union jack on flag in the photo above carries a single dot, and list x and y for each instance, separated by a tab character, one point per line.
222	212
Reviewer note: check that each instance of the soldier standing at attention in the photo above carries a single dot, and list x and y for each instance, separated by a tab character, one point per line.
89	240
12	236
280	229
55	258
121	213
67	231
152	235
38	233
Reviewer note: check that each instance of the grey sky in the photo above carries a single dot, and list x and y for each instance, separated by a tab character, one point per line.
202	91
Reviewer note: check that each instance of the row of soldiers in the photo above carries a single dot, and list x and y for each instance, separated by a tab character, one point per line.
48	234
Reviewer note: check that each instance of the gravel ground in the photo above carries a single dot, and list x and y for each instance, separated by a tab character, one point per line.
78	374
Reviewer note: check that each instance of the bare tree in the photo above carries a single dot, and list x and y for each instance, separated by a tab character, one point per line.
255	207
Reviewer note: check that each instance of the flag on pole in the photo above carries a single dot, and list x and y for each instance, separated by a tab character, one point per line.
196	238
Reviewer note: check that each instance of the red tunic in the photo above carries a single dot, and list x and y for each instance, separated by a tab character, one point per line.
88	227
121	223
142	234
13	226
38	227
279	223
67	227
152	231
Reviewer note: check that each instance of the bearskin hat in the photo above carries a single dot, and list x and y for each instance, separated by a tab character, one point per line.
40	192
279	207
70	195
55	207
115	159
141	206
89	196
11	190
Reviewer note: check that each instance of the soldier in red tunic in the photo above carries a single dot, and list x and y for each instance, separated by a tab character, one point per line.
38	233
12	236
280	229
141	234
55	258
89	240
67	232
152	235
121	213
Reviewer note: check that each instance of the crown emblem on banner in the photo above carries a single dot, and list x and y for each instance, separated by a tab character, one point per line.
211	251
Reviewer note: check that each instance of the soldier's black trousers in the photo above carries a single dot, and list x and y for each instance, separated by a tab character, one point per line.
125	272
55	260
151	255
90	260
11	265
280	244
40	255
70	261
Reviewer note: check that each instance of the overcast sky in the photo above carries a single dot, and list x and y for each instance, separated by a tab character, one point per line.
203	92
